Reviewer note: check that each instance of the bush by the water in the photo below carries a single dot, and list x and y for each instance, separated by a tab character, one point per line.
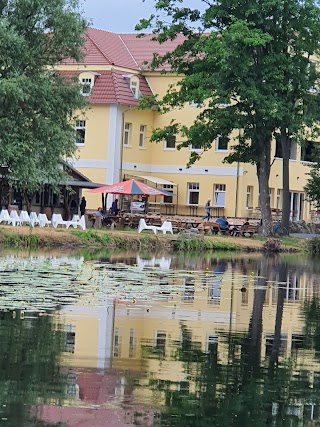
313	245
272	245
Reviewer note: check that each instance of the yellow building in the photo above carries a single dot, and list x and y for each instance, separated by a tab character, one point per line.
113	137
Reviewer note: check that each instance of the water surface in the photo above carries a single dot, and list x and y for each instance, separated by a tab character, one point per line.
127	340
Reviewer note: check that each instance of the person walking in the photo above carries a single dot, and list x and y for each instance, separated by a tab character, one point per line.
83	205
207	210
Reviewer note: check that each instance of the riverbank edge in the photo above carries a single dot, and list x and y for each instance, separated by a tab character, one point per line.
27	237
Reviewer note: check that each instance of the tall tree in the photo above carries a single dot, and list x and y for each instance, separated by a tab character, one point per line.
36	103
238	61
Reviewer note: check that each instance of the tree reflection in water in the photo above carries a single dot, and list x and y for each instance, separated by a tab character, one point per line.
29	369
247	390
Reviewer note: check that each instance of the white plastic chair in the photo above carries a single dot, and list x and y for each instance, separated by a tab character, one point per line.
81	222
43	220
34	220
5	217
165	227
57	220
15	218
143	226
25	218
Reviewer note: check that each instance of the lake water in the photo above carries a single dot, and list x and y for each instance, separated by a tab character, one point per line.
164	341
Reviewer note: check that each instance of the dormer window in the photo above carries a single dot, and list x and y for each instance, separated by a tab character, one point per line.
134	88
86	86
133	83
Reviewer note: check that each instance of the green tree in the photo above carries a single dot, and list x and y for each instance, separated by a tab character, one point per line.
312	188
29	366
37	104
247	64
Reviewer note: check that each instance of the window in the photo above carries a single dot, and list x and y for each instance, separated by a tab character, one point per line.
170	143
219	197
116	343
80	131
307	154
271	196
278	199
214	291
134	88
195	148
70	338
212	343
131	344
188	291
222	143
160	342
167	199
142	136
249	197
86	86
193	193
127	134
293	150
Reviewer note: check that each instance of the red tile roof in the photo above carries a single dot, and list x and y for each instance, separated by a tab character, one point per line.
111	87
143	48
122	50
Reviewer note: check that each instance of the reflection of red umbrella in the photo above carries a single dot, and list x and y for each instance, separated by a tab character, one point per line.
131	187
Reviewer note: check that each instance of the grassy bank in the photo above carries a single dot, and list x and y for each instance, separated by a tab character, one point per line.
27	237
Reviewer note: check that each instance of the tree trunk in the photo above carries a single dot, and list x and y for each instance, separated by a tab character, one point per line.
263	173
285	144
66	213
273	361
26	198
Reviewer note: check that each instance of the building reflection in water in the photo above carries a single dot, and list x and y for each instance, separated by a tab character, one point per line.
239	347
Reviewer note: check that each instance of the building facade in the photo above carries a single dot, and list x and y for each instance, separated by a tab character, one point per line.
113	137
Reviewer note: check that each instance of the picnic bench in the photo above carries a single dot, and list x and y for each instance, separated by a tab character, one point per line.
245	230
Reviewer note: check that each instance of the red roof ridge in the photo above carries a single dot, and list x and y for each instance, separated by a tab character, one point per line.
129	51
102	53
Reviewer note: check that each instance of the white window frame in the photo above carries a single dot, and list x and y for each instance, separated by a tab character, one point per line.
134	87
80	125
127	134
169	148
278	199
193	187
142	136
192	148
86	83
219	195
221	150
167	187
249	197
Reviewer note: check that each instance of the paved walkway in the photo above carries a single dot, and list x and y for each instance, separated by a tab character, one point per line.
304	235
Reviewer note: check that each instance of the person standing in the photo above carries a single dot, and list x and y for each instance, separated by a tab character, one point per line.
114	207
83	205
207	210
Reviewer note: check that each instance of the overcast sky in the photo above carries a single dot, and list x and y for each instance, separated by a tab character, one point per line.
120	16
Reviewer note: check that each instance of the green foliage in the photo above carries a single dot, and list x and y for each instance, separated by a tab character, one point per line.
247	64
313	246
207	244
37	104
20	240
93	236
30	372
312	188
